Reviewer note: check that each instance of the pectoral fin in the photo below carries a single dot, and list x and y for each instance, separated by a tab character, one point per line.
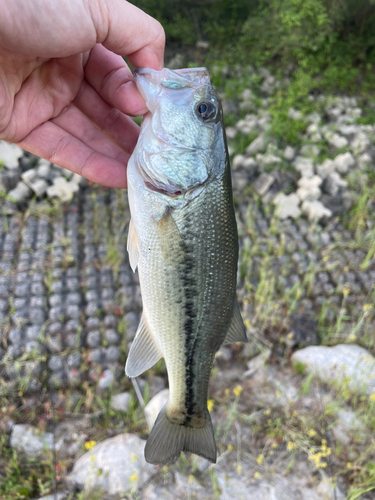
143	352
237	330
132	246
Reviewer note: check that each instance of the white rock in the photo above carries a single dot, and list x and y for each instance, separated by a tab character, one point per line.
287	206
62	189
364	160
58	496
238	161
30	440
295	114
106	379
36	184
359	143
343	162
315	210
257	363
247	94
336	178
316	137
231	132
256	146
310	150
304	165
313	118
289	153
309	182
347	425
9	154
121	402
348	130
263	183
355	113
271	159
336	141
111	464
20	193
311	194
154	406
328	491
343	362
325	168
312	129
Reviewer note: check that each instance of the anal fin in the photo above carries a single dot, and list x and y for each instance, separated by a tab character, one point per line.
236	330
143	353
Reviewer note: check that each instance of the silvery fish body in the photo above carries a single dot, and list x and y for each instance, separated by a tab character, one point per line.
183	239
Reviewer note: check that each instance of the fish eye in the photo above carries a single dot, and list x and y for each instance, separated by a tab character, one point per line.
205	110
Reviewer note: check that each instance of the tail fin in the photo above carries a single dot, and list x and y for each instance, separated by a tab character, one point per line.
167	440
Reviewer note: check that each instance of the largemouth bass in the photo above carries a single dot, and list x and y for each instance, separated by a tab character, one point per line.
183	239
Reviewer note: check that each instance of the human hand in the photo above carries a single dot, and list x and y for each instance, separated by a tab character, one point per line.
65	91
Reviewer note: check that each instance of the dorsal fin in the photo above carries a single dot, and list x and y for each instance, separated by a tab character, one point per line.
143	352
236	330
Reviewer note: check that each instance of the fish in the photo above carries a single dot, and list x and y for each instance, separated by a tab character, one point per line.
183	240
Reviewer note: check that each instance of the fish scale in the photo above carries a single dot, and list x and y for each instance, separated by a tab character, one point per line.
186	248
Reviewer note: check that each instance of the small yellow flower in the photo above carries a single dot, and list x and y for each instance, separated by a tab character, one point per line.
165	468
346	290
311	432
133	478
324	441
290	445
267	412
89	445
210	405
247	323
274	445
239	469
191	478
133	457
294	414
260	459
230	447
227	392
289	336
349	464
256	475
372	397
323	464
367	307
92	458
237	390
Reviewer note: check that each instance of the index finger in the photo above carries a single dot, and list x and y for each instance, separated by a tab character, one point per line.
128	31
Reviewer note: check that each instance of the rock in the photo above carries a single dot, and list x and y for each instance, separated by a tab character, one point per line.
36	184
58	496
106	379
62	189
315	210
336	141
231	133
121	402
304	165
295	114
116	465
289	153
309	188
327	491
347	425
343	362
10	154
333	182
177	61
30	440
287	206
310	150
20	193
325	168
257	363
154	406
263	183
9	179
343	162
303	331
256	146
